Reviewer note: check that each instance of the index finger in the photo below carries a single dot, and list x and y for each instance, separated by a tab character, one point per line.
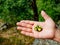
28	22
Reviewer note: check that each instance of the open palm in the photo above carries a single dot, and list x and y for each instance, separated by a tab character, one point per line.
27	27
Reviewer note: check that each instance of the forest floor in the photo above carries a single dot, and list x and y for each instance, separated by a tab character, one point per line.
12	36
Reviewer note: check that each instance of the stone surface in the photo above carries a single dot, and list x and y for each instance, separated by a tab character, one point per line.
45	42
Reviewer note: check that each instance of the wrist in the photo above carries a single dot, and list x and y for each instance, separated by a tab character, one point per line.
57	35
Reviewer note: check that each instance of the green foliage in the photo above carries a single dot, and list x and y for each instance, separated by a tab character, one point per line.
52	8
12	11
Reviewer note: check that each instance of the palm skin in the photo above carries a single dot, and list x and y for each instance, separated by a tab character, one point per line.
27	27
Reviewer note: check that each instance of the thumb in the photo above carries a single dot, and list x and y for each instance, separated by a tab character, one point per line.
44	15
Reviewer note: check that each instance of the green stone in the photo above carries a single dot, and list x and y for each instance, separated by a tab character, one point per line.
38	28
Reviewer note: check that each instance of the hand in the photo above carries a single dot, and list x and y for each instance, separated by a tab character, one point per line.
27	27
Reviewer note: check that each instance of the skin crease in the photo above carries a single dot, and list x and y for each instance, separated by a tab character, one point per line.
27	27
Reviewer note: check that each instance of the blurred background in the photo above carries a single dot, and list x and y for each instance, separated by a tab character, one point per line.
12	11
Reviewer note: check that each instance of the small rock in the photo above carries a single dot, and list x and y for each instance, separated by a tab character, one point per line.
4	26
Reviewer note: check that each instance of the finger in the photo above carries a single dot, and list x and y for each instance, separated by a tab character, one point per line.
27	33
44	15
17	23
24	24
32	22
28	22
24	29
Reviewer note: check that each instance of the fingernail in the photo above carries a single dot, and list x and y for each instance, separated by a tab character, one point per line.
42	11
21	32
17	23
18	27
